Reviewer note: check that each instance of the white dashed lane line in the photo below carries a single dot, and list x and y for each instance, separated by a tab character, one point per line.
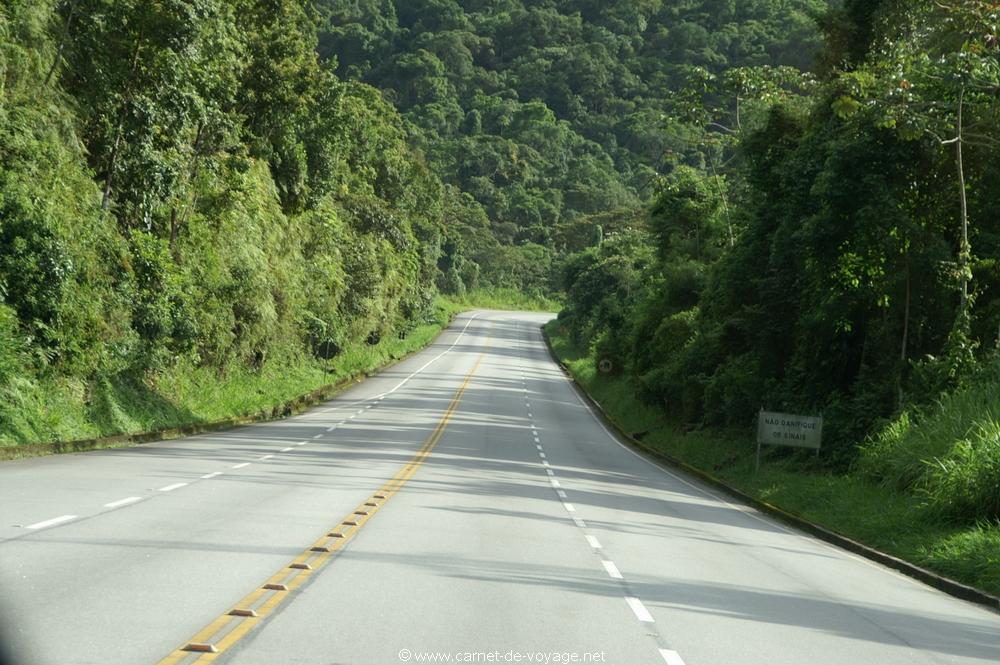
170	488
671	657
51	522
612	570
640	611
123	502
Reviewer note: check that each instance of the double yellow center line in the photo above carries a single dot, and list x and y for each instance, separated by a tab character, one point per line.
223	632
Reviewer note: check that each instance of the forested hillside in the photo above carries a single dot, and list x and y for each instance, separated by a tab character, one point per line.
840	256
185	190
549	114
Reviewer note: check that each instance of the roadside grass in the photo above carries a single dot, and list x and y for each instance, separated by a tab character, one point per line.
880	516
505	299
60	410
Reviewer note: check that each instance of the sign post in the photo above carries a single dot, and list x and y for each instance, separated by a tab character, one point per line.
783	429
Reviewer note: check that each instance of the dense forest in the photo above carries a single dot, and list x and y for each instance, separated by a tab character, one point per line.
550	114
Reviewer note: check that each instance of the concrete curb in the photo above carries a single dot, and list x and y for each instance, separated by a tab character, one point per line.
947	585
292	407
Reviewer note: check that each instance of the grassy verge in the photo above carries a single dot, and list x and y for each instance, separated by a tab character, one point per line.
883	518
505	299
68	410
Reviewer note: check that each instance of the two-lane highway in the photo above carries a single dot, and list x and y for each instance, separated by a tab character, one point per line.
463	506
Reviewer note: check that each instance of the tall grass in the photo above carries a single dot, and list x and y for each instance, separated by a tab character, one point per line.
947	454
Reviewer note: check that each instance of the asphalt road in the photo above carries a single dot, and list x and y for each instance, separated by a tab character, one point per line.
505	525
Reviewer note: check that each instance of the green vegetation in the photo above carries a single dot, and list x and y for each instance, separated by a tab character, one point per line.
842	502
547	115
839	255
505	299
197	217
195	191
67	409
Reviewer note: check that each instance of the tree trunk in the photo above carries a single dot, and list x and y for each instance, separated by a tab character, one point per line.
725	203
62	43
965	249
906	339
112	160
175	251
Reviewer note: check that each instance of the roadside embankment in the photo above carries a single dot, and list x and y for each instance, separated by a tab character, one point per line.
889	520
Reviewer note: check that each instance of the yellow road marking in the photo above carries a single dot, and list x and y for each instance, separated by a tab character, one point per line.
227	629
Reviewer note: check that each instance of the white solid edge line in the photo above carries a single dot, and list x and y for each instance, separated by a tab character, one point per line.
171	488
241	466
123	502
612	570
51	522
671	657
640	611
594	542
214	474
